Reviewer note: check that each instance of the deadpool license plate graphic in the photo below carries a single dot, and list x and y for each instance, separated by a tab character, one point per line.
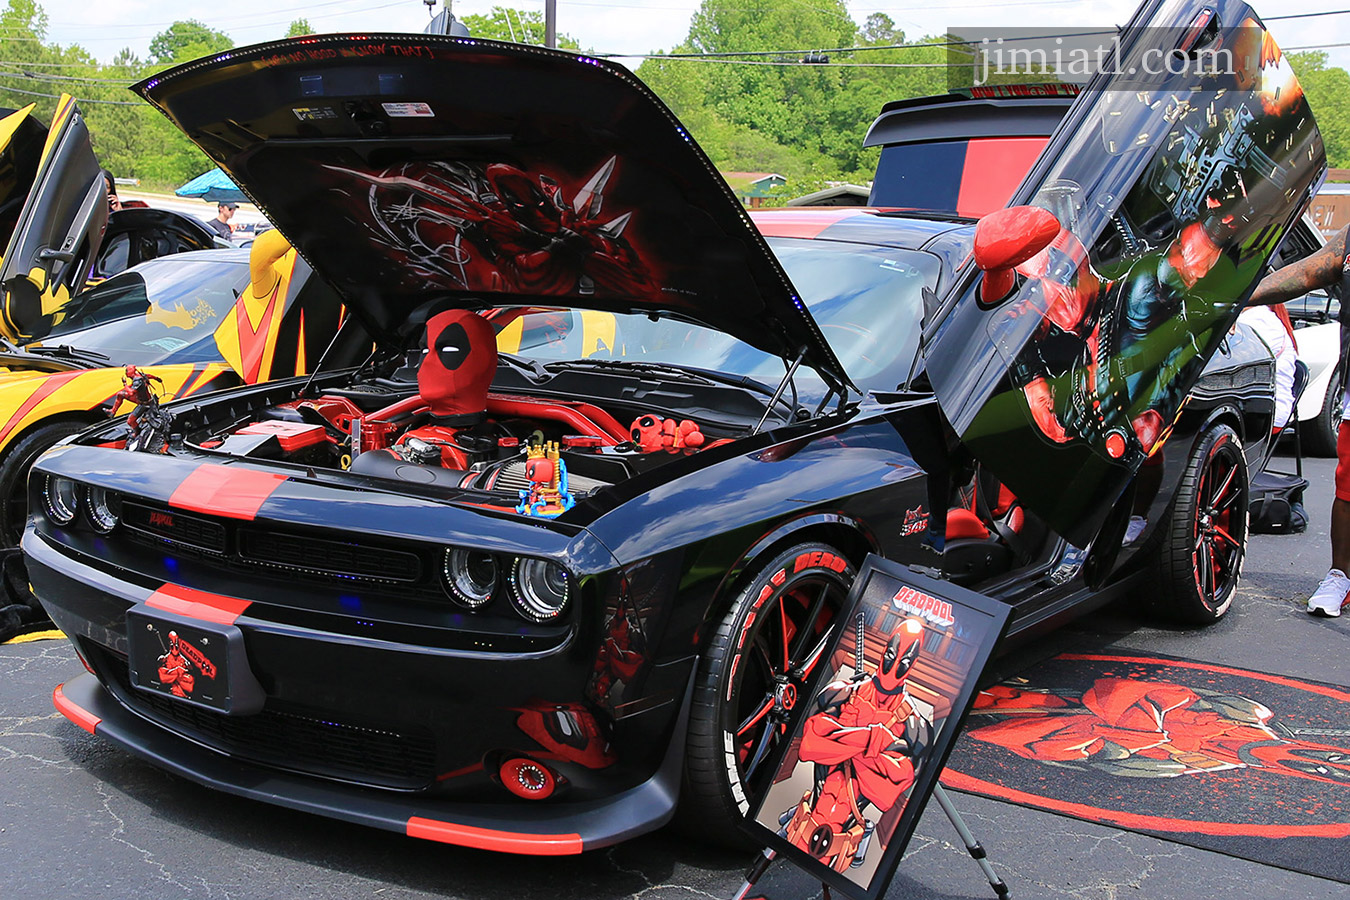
189	662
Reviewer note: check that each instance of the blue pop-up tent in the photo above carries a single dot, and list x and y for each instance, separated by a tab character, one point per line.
214	187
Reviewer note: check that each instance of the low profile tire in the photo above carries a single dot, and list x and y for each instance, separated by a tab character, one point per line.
1319	434
1203	542
754	670
14	467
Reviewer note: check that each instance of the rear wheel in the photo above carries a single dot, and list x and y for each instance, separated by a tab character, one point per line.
751	676
1199	559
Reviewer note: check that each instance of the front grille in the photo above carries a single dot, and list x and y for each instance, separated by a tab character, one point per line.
171	525
290	741
329	557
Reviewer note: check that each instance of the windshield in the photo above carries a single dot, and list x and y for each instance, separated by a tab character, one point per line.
163	311
867	300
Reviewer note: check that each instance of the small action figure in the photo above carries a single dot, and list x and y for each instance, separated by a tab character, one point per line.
547	495
146	422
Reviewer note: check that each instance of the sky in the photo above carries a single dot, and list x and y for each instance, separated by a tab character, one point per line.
610	26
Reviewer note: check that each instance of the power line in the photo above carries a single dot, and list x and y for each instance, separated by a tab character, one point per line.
14	90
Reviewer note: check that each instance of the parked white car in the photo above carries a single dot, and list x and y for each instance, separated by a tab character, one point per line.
1318	334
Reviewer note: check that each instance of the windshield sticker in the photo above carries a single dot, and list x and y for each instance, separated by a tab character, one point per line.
310	113
167	344
407	110
180	316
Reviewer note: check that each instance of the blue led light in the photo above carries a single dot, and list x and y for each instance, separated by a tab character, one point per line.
171	564
350	602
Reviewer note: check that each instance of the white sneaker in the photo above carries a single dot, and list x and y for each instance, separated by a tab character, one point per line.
1330	595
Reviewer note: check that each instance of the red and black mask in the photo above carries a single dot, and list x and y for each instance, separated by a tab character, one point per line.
457	365
901	652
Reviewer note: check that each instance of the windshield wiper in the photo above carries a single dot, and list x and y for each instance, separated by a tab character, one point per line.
69	352
525	364
684	373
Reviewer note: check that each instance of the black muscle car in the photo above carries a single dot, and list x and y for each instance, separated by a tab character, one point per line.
531	615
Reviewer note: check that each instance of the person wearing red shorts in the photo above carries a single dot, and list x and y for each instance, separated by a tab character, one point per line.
1326	267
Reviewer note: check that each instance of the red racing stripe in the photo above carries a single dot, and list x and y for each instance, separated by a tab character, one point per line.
994	168
490	839
195	604
83	718
44	390
226	491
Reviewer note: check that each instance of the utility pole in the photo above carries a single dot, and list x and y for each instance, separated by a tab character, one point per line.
551	23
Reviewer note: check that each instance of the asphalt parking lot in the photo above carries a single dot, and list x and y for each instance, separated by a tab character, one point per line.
78	818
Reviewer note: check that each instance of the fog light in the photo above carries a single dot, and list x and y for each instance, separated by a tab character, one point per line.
102	509
62	499
540	589
471	576
527	778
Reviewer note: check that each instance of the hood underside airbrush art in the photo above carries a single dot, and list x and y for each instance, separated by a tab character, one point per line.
608	470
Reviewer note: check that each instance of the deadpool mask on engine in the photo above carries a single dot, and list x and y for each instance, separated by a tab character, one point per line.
457	367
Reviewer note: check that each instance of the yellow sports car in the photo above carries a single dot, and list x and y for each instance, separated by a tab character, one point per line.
197	321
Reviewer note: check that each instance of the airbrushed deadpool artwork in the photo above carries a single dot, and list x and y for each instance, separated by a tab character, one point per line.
1245	753
1139	245
497	227
1105	365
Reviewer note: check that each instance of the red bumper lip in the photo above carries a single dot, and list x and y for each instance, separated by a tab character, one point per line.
533	829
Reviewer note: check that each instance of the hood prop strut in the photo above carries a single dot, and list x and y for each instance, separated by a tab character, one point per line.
318	366
782	386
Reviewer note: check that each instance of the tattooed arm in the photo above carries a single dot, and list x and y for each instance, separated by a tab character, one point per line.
1322	269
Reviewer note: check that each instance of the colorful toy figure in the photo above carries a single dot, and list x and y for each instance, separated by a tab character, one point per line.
868	741
547	495
135	389
653	433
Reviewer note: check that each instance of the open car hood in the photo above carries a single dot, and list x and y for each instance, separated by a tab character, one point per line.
1170	198
416	168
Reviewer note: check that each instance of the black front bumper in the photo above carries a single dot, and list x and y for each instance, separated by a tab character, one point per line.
539	829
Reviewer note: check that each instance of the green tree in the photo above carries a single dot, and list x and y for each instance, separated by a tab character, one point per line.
517	26
299	28
1328	92
187	40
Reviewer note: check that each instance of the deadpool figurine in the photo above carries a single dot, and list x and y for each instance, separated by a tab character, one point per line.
135	389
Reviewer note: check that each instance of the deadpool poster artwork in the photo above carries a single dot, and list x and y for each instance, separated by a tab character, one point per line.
882	709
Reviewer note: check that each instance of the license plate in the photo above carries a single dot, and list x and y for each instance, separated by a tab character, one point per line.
194	662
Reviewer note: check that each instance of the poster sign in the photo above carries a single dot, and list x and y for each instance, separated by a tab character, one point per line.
886	703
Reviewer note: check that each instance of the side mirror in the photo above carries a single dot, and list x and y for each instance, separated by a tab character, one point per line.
1005	239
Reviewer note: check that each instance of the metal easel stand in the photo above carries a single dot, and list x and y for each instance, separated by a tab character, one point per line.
762	863
972	846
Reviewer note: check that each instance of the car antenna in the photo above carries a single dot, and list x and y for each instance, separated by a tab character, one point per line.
782	386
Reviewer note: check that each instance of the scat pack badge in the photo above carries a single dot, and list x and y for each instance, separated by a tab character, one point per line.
916	521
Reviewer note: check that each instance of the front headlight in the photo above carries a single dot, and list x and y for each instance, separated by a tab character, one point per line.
61	498
103	509
540	589
471	576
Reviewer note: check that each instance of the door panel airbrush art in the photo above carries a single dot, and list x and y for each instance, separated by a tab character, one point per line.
1171	192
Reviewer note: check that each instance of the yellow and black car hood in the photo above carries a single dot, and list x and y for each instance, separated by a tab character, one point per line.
411	169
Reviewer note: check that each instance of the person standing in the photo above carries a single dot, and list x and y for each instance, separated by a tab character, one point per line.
221	223
1326	267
